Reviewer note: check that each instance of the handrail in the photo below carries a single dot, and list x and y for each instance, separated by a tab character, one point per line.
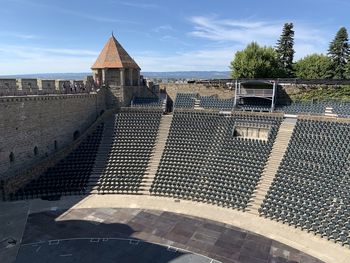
255	92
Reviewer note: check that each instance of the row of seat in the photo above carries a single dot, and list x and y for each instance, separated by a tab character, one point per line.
68	177
319	108
146	102
204	161
311	189
187	100
134	136
210	102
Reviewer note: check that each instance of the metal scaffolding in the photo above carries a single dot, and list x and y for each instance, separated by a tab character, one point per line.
256	89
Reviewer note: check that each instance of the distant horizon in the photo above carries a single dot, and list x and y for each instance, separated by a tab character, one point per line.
82	72
191	74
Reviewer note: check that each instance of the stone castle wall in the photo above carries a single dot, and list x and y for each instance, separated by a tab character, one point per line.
284	95
23	87
34	127
122	96
11	185
203	90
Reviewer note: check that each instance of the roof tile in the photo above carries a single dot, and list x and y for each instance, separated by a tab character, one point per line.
113	55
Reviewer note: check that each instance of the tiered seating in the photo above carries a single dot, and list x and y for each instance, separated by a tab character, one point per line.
341	108
185	100
258	105
70	176
215	103
318	108
202	161
307	107
255	108
311	189
146	102
134	138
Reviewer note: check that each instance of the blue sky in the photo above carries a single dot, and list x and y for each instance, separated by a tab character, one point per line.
44	36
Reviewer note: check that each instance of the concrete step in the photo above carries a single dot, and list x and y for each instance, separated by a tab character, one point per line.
157	153
103	151
273	162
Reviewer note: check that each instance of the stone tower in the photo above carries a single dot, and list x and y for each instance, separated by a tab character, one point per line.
115	69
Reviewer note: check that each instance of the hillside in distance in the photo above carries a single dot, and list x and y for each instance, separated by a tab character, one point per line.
188	75
152	75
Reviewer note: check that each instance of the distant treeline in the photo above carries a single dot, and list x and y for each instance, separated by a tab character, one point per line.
335	82
278	62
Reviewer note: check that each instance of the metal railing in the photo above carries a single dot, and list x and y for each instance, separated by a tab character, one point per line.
255	92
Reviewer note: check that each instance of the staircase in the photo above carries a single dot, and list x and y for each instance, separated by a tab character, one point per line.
270	170
156	154
329	112
102	154
197	103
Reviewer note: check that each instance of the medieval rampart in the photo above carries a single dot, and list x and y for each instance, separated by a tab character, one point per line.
34	127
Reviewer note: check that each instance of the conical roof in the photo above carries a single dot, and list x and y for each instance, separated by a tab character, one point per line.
113	55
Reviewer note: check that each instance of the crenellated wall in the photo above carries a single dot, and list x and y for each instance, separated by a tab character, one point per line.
34	127
23	87
204	90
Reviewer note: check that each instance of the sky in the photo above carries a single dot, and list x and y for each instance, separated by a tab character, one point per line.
61	36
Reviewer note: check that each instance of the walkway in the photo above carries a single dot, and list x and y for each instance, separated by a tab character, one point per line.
269	173
308	243
157	153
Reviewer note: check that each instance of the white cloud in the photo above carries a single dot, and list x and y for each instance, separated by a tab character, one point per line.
72	52
50	64
223	38
19	35
94	17
307	37
205	59
74	13
226	37
32	52
146	6
163	28
25	59
233	30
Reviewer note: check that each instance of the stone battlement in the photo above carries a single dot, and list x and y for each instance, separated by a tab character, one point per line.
28	86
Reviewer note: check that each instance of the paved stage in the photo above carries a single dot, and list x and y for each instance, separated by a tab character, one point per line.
107	251
116	228
138	235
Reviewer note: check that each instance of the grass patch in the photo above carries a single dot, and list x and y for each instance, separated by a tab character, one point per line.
322	93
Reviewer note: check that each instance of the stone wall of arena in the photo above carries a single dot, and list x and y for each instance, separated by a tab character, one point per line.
284	90
122	96
33	128
136	91
204	90
11	184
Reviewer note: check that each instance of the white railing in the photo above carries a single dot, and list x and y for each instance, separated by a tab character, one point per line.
255	92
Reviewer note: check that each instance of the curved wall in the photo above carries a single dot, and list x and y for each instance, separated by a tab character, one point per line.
34	127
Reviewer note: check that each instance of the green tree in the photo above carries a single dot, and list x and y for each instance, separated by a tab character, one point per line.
339	52
285	49
255	62
347	71
315	66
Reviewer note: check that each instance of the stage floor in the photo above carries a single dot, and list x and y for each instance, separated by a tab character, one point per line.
139	235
